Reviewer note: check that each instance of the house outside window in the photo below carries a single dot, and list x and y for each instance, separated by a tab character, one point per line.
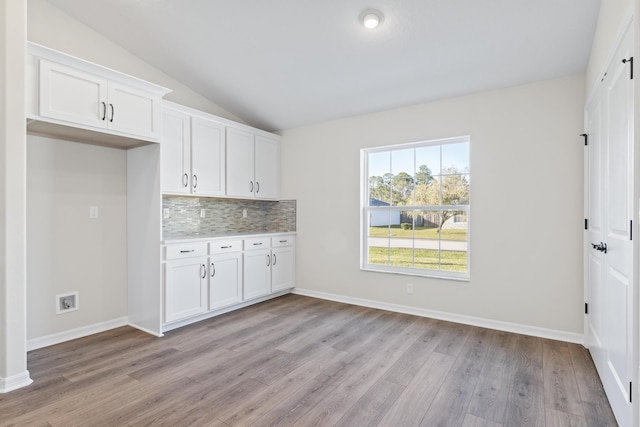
415	208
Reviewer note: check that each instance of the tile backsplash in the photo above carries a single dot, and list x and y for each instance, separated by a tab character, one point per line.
225	216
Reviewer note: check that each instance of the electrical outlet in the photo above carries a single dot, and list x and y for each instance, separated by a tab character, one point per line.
244	213
94	212
165	213
202	213
410	288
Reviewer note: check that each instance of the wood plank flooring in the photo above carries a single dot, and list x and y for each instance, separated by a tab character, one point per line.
300	361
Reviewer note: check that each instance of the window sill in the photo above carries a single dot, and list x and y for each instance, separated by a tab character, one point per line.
461	277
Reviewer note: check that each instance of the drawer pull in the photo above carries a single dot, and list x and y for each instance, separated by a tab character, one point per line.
283	241
226	247
257	244
186	252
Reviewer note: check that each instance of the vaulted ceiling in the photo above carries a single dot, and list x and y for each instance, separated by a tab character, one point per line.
280	64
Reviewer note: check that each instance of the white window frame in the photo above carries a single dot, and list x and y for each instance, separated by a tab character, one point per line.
365	210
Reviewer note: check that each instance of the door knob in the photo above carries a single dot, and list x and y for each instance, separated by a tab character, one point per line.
602	247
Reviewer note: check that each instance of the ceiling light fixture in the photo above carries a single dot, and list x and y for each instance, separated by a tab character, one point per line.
371	18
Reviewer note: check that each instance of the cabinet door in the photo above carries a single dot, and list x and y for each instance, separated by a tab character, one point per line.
185	288
207	157
267	161
133	111
240	177
225	280
257	273
72	95
282	268
175	152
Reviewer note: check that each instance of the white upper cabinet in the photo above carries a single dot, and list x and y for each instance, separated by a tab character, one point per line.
240	176
72	98
72	95
207	157
193	153
175	152
267	170
252	165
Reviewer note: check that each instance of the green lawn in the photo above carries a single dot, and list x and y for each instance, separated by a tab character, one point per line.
424	258
420	233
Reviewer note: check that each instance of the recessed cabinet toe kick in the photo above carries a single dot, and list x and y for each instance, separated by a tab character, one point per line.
206	278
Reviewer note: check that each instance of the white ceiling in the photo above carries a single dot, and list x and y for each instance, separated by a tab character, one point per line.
280	64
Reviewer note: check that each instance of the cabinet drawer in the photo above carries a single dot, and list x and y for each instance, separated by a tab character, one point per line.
280	241
257	243
222	246
185	251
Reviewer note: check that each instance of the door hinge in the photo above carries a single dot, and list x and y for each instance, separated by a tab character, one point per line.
630	229
586	308
586	224
586	138
630	61
630	391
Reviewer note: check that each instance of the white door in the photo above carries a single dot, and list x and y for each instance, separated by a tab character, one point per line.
240	172
257	273
175	152
133	111
611	334
282	268
185	288
225	280
267	156
207	157
72	95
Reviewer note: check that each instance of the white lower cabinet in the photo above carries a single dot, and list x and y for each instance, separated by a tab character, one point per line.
225	280
185	288
200	282
257	273
282	268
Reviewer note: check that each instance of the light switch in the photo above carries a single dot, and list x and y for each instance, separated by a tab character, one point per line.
202	213
165	213
94	213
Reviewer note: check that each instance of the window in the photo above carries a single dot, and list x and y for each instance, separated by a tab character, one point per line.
415	208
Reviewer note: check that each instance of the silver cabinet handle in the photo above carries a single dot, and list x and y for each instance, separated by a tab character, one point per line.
257	244
274	259
112	113
268	260
283	241
185	181
203	268
257	187
225	247
195	181
187	251
213	270
250	186
104	110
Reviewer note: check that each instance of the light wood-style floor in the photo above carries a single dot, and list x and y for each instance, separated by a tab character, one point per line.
301	361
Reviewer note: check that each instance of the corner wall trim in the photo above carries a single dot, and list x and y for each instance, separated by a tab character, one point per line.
15	382
47	340
450	317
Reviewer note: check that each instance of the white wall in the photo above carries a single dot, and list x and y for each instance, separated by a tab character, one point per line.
67	251
49	26
526	203
13	361
614	14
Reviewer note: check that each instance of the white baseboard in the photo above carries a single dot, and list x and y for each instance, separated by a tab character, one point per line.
47	340
15	382
450	317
